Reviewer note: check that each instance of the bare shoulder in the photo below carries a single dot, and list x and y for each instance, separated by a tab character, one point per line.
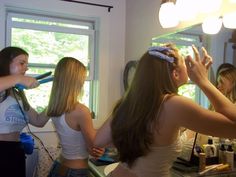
81	110
179	105
178	101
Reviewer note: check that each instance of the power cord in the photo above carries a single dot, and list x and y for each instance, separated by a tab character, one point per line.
28	128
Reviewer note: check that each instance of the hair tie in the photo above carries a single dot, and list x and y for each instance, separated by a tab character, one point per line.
156	51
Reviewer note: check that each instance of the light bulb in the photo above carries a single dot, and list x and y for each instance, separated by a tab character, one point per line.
186	9
211	25
168	15
229	20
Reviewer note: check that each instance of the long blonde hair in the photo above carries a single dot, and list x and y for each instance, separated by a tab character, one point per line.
230	74
68	81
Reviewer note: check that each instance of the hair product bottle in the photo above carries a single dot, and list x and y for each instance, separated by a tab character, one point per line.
210	149
229	154
202	161
222	154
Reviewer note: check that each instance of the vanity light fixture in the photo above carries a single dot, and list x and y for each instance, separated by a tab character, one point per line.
186	9
212	25
209	6
229	20
168	15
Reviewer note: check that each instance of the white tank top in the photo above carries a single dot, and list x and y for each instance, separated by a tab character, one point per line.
72	141
11	117
157	163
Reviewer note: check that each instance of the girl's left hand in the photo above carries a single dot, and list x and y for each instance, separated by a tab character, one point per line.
97	152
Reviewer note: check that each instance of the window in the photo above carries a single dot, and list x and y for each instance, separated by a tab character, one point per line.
47	40
183	43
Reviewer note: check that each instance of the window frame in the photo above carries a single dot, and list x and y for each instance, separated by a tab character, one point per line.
90	32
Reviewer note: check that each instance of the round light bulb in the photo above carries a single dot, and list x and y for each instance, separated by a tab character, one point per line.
212	25
168	15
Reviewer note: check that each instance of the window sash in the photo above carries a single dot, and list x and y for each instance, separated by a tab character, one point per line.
90	32
88	29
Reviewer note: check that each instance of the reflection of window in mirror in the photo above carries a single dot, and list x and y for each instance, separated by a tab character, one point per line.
183	42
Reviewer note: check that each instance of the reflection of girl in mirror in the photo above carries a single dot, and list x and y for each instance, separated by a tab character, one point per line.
222	67
226	83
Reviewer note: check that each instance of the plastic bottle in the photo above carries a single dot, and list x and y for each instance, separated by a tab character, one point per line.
229	155
222	154
202	161
216	142
227	142
210	149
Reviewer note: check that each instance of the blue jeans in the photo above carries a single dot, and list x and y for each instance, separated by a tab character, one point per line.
12	159
59	170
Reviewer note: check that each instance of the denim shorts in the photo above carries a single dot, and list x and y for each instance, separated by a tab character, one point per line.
58	170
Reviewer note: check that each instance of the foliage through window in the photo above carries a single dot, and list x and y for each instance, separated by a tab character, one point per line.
184	42
47	40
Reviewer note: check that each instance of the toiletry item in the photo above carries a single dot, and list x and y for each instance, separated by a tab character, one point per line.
202	161
210	149
229	156
234	145
227	142
222	154
216	142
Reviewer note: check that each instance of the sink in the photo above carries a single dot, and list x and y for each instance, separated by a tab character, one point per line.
110	168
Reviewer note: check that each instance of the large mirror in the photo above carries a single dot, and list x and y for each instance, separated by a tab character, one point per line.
221	46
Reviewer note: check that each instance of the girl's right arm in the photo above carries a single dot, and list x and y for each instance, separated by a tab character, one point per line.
198	73
103	137
7	82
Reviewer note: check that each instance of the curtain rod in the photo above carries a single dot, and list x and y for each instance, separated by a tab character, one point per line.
89	3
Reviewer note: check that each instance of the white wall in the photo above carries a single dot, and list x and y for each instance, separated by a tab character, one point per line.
111	35
217	47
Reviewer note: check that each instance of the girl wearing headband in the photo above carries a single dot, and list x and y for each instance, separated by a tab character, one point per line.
145	123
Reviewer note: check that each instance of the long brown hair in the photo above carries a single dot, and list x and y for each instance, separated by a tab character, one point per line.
7	55
135	115
69	78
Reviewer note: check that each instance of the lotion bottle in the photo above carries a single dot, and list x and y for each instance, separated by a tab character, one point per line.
210	149
229	154
222	154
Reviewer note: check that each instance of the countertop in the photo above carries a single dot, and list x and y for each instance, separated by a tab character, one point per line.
98	171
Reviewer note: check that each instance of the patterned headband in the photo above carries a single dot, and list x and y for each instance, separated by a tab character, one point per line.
156	51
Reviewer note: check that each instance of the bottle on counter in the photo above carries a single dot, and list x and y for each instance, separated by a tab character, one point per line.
222	154
202	161
216	142
229	156
210	149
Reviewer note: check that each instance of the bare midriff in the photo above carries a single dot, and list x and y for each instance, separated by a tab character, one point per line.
74	163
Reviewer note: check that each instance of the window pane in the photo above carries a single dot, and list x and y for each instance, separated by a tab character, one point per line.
47	46
188	90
